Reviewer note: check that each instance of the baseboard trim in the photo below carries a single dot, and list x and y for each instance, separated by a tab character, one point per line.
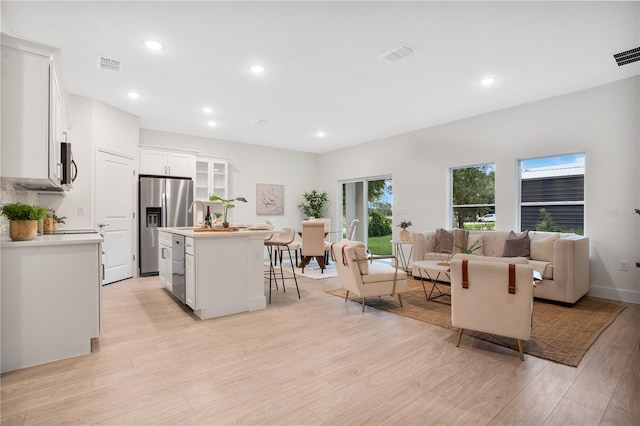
615	294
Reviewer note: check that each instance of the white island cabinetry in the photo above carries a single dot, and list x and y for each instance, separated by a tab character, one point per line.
190	272
50	298
224	271
164	260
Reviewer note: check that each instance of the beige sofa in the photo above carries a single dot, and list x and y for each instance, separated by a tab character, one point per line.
561	259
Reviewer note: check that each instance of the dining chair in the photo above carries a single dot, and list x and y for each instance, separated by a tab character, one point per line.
351	232
313	242
327	240
278	243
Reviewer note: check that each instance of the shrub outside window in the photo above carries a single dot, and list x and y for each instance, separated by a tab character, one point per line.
552	194
473	197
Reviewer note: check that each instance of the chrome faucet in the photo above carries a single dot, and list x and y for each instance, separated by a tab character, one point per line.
201	206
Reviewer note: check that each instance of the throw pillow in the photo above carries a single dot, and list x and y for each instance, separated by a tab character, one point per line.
475	244
444	241
517	245
460	240
543	248
360	253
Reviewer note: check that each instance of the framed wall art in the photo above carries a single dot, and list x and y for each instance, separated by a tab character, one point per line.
269	199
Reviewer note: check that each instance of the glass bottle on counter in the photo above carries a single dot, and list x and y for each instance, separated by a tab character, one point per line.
207	218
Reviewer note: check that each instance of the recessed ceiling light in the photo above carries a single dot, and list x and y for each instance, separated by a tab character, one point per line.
153	45
321	134
133	95
488	81
207	110
257	69
211	123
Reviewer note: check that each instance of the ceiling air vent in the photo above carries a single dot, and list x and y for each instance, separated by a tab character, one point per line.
627	57
400	52
259	122
109	64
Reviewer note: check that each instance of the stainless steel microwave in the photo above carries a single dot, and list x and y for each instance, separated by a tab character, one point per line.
69	167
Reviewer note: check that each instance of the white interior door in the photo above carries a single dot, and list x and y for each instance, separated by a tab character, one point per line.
115	182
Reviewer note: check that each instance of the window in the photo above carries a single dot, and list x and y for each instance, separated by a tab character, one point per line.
552	194
473	197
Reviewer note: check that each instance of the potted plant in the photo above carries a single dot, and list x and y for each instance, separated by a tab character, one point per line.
226	205
52	220
23	220
404	234
313	204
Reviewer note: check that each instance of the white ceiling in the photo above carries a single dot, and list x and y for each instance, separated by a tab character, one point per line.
321	59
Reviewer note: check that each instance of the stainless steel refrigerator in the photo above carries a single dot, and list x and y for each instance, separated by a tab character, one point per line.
163	201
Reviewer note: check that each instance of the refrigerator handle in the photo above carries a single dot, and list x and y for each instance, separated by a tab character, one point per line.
164	209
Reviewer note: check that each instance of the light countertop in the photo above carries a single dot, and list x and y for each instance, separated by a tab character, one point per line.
52	240
243	232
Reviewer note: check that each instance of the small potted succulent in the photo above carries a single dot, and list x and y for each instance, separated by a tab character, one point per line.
226	205
404	234
23	220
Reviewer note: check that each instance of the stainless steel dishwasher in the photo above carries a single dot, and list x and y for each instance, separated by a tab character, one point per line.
177	267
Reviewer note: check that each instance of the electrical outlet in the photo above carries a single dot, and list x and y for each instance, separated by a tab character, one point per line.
624	265
82	210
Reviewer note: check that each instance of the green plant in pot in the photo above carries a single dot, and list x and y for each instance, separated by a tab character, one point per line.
23	220
226	205
404	234
314	203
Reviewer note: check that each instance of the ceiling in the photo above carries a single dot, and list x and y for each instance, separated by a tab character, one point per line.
323	71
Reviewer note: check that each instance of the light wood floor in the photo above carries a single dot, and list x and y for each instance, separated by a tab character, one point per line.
317	360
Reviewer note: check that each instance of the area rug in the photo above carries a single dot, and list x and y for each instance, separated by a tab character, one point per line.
560	333
313	271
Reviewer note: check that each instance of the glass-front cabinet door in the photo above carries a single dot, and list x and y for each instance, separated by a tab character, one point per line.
211	178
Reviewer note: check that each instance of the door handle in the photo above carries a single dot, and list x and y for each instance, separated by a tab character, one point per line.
102	225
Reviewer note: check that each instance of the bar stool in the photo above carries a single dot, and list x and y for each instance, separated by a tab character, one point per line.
276	244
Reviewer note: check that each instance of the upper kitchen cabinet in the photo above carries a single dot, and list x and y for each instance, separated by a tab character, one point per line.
211	178
167	163
34	114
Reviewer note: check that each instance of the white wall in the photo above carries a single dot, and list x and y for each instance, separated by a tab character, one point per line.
5	23
94	125
249	165
603	122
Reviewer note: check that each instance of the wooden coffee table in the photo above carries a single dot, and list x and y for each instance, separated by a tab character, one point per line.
428	267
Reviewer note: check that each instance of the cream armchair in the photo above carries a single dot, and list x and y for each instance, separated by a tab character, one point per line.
363	278
492	297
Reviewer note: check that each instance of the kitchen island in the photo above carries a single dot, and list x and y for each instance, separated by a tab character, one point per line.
50	298
223	271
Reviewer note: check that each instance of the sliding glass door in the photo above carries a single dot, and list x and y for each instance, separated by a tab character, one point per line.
369	200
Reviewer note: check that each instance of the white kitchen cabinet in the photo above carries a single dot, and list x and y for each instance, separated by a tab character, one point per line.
190	272
190	280
167	163
165	269
34	113
212	178
50	298
224	271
